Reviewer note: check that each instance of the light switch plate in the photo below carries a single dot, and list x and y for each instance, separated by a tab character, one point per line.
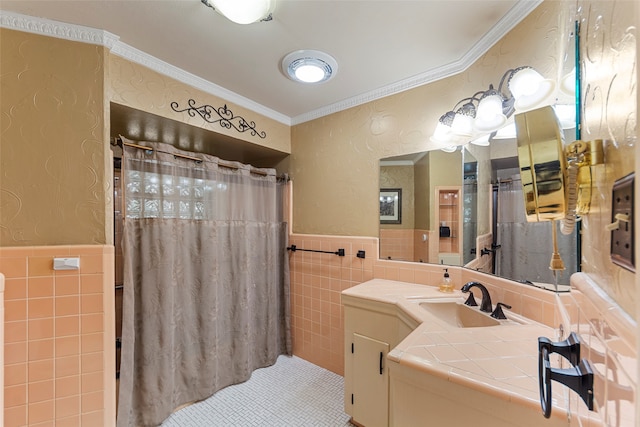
622	241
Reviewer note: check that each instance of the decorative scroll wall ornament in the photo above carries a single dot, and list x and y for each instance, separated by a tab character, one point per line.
223	115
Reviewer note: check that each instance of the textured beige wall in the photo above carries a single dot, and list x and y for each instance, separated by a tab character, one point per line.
54	186
334	160
609	65
141	88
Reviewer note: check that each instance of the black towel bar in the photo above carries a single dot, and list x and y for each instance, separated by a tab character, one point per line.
293	248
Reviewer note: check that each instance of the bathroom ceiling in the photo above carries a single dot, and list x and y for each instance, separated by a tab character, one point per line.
382	47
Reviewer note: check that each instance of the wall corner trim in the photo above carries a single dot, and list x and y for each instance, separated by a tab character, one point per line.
61	30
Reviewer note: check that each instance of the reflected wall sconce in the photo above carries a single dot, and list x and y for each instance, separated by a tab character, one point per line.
568	83
566	114
508	131
243	11
478	118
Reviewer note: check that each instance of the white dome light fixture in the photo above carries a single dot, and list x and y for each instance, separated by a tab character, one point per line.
243	11
530	89
309	66
490	112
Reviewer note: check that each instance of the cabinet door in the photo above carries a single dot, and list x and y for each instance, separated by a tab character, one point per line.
370	382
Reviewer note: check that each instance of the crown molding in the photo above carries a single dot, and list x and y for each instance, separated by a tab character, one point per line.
83	34
60	30
79	33
139	57
516	14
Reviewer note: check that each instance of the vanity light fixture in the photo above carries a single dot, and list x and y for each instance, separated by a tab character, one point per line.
486	114
309	66
464	117
243	11
490	115
529	89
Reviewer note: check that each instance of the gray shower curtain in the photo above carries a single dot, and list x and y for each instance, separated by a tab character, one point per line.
526	247
206	288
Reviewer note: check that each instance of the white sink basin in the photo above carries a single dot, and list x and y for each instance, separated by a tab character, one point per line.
457	314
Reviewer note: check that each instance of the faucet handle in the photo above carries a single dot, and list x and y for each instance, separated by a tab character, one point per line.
471	301
498	313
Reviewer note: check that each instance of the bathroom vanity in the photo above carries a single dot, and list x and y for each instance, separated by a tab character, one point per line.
417	356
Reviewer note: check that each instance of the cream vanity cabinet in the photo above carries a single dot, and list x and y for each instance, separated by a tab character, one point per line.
371	328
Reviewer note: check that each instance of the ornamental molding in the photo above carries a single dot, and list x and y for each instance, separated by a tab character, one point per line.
516	14
60	30
16	21
220	115
132	54
79	33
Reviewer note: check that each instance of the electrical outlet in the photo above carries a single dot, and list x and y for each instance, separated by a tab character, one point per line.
622	241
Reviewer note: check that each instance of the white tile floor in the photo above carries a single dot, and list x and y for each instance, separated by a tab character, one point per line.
291	393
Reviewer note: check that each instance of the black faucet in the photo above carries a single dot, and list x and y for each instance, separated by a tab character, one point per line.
486	298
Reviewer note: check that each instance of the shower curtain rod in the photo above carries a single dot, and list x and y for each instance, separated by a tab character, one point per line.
119	142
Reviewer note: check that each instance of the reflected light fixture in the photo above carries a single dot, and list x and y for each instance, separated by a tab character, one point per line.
568	83
243	11
449	148
506	132
482	140
566	114
309	66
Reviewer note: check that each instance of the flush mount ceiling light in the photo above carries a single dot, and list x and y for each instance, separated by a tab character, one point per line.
309	66
243	11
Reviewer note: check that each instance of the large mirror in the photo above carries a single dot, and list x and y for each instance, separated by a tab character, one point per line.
466	208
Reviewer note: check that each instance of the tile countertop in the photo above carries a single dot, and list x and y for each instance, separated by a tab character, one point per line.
499	360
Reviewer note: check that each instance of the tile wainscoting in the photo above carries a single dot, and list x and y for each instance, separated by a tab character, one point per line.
59	337
317	281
